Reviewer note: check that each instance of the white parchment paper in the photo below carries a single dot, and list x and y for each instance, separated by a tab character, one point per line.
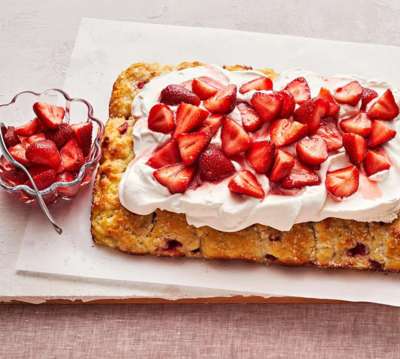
103	49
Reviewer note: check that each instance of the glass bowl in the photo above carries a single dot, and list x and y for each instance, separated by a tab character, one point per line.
19	111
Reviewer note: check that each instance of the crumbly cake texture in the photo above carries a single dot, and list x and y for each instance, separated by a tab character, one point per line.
332	243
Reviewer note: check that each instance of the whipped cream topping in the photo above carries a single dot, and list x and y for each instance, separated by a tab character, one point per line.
214	205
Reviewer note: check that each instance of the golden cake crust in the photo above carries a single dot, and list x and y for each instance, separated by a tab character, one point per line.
332	243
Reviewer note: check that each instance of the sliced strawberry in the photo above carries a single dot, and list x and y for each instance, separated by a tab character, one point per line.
250	119
261	156
234	138
44	153
42	176
191	145
205	87
311	112
167	154
349	94
10	174
258	84
288	104
223	102
380	134
312	151
29	128
267	106
69	191
342	182
285	132
175	94
188	118
299	177
244	182
367	96
61	134
83	133
299	89
19	153
385	108
375	162
212	124
359	124
356	147
9	136
34	138
72	157
333	107
283	164
175	177
161	119
50	115
329	132
214	166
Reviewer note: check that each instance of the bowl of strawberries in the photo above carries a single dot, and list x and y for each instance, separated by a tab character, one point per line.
55	137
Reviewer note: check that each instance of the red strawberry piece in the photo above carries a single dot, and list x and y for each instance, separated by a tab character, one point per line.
223	102
191	145
50	115
69	191
342	182
167	154
261	156
333	107
29	128
83	135
300	176
188	118
5	165
35	138
212	124
375	162
71	156
312	151
234	138
10	174
283	164
250	119
246	183
205	87
258	84
161	119
288	104
19	153
176	177
349	94
44	153
268	106
359	124
367	96
10	137
61	134
42	176
380	134
214	166
299	89
385	108
285	132
356	147
329	132
310	112
123	128
175	94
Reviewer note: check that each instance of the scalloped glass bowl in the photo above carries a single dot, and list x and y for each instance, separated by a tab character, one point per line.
19	111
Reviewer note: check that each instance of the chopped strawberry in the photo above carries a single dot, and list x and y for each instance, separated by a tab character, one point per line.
299	89
42	176
285	132
50	115
375	162
310	112
188	118
69	191
380	134
359	124
288	104
205	87
329	132
250	120
214	166
349	94
261	156
283	164
333	107
356	147
267	106
9	136
244	182
191	145
223	102
19	153
72	157
175	177
123	128
234	138
161	119
258	84
83	134
34	138
29	128
312	151
385	108
212	124
342	182
367	96
175	94
167	154
10	174
300	176
61	134
44	153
